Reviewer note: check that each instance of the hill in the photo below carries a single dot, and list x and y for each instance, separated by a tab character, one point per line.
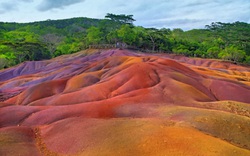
20	42
110	102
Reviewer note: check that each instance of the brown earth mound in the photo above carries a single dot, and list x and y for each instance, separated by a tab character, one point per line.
110	102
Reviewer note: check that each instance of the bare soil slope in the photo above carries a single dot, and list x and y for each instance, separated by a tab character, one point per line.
110	102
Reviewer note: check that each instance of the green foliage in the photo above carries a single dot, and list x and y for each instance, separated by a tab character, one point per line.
94	35
47	39
124	19
112	37
67	48
236	34
140	34
247	60
126	34
3	62
7	56
20	36
213	52
232	53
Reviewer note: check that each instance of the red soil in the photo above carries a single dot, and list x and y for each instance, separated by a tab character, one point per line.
93	101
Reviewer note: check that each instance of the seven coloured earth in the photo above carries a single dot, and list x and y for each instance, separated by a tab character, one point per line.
123	102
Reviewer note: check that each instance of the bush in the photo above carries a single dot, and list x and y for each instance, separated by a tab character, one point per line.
247	60
3	62
232	53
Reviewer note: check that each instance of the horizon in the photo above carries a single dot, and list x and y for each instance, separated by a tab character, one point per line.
106	18
187	15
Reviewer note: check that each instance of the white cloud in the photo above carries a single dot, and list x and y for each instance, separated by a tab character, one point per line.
185	14
56	4
7	7
11	5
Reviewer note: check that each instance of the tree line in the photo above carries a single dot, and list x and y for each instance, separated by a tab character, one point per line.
21	42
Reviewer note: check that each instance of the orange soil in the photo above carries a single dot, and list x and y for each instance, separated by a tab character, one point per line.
109	102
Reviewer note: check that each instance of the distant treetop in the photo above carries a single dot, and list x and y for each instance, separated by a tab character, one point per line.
122	18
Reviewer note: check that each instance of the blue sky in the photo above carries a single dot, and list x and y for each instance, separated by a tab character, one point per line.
185	14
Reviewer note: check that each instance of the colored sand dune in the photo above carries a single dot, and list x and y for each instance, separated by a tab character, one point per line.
110	102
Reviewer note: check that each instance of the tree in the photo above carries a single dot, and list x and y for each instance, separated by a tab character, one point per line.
141	41
51	41
112	37
181	49
236	34
247	60
20	36
67	48
232	53
125	19
152	35
3	62
177	32
126	34
94	36
158	38
7	56
151	38
45	39
213	52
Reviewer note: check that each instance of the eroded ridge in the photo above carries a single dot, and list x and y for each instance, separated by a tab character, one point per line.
93	101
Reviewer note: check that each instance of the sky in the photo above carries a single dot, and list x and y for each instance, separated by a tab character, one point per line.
184	14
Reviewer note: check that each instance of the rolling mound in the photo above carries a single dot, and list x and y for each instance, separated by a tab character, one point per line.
110	102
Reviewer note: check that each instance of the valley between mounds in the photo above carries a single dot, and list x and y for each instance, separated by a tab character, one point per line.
110	102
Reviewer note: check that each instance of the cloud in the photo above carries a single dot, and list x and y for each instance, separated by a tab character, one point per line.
56	4
185	14
192	13
7	7
12	5
27	1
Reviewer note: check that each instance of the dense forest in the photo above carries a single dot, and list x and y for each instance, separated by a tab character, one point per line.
21	42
